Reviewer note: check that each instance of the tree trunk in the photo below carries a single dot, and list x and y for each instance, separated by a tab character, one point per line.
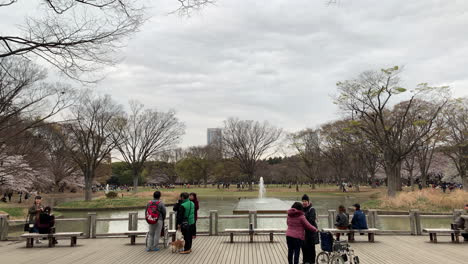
88	191
392	173
297	186
135	183
313	186
411	181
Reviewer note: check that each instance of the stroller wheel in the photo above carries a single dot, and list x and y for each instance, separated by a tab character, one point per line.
356	260
322	258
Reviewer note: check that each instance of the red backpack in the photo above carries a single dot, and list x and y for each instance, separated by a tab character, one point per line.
152	212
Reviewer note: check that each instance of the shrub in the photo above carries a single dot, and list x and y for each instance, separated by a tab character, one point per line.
111	195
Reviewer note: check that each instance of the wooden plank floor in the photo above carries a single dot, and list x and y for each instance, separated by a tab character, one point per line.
214	250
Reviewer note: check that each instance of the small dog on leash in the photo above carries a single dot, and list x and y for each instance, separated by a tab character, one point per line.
177	245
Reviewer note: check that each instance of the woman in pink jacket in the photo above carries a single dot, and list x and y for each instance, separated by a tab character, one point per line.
297	223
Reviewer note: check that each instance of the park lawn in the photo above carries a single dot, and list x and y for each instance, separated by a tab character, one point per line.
427	201
128	200
170	196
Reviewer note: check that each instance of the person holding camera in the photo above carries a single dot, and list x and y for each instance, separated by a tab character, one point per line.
186	221
34	212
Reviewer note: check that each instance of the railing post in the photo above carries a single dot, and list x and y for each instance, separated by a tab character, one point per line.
210	228
4	227
255	219
412	222
417	217
135	221
331	218
250	217
91	229
171	221
372	218
132	221
216	222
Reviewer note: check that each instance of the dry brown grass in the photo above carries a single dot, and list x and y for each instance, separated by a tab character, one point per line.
430	200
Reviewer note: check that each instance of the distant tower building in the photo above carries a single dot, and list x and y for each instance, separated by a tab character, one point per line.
213	136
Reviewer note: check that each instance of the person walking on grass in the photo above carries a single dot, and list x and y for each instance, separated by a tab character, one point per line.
194	199
311	238
297	223
186	221
34	212
342	221
155	214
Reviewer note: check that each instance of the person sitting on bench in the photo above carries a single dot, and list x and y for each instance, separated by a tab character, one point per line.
342	220
460	224
46	222
359	218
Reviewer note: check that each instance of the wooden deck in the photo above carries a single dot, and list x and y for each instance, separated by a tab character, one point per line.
214	250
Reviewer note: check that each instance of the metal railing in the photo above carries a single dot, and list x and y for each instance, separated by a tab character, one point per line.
373	218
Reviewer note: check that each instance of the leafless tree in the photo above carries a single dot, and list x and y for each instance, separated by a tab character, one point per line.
306	144
25	100
145	133
456	137
247	142
188	6
75	36
396	129
90	137
78	36
59	162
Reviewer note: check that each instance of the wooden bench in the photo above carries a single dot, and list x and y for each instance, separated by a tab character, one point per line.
434	231
350	233
251	232
134	234
51	237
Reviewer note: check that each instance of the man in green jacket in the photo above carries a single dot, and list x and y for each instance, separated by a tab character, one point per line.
186	221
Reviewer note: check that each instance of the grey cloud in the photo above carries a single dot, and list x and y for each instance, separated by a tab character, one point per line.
279	60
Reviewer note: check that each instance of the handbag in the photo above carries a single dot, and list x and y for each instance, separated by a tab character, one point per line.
27	226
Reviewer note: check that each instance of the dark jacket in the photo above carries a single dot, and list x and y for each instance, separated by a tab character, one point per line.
46	223
34	212
359	220
311	217
342	220
177	206
460	223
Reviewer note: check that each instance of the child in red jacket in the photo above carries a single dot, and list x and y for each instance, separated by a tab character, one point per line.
297	223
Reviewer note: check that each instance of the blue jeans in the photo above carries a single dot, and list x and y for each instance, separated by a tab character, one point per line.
294	249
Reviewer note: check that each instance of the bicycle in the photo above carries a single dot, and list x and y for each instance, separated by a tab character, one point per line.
164	236
342	253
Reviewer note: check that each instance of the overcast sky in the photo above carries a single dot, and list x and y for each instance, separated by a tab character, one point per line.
279	60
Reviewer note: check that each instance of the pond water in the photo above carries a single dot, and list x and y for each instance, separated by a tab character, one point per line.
226	206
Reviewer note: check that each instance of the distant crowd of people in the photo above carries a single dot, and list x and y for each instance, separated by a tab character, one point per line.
8	196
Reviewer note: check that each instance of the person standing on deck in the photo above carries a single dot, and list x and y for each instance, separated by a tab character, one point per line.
311	238
158	215
186	221
194	199
297	223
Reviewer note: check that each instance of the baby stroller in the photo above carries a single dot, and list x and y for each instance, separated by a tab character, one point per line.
335	252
